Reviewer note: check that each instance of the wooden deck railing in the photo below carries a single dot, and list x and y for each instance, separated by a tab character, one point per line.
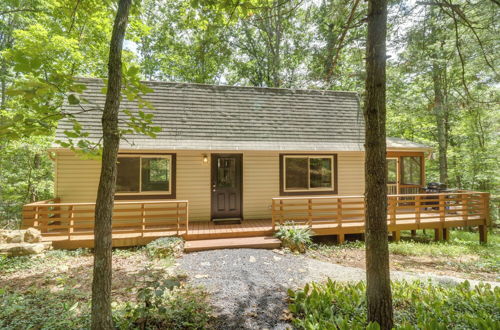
76	219
404	211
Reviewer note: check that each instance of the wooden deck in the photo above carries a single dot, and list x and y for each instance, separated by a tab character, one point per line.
70	225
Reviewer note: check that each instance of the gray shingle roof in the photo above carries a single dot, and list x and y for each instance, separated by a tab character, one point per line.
398	143
206	117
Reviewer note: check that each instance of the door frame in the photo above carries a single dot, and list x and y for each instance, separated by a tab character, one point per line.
212	172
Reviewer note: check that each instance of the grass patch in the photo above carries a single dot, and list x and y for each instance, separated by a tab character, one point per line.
417	305
462	253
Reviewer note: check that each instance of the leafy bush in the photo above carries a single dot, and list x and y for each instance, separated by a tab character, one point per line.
417	305
293	237
166	304
166	247
43	309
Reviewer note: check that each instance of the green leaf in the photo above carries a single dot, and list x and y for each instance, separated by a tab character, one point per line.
73	99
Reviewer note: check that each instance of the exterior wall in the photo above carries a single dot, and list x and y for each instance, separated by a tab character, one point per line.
77	180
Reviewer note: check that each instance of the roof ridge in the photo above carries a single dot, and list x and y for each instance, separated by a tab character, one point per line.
226	87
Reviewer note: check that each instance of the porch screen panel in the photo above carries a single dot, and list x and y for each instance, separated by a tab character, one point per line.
412	170
296	172
128	174
392	171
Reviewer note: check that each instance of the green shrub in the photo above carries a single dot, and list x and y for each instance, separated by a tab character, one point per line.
44	309
293	237
166	304
417	305
166	247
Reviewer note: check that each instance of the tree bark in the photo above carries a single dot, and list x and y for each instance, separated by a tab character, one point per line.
378	291
101	284
441	122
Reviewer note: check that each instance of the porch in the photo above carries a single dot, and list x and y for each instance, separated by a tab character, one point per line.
70	225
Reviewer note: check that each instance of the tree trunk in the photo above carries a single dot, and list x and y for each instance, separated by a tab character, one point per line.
441	122
101	284
378	283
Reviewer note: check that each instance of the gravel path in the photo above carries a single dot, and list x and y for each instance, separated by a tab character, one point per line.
248	286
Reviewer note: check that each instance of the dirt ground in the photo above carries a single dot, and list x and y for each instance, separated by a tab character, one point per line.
58	273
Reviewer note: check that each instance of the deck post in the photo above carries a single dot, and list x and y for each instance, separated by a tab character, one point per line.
483	234
392	209
446	234
396	236
438	234
341	238
483	229
273	214
71	221
486	207
413	233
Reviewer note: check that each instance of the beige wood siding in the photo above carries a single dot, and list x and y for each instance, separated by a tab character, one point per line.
193	183
351	176
77	180
260	183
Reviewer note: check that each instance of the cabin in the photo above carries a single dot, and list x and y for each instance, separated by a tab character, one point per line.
232	163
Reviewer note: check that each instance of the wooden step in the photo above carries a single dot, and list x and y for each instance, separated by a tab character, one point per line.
259	242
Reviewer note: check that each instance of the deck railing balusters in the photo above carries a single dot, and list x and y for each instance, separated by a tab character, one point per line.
405	211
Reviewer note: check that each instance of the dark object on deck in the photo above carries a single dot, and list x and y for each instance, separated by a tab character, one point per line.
435	187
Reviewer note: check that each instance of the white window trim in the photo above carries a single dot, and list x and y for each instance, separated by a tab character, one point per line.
140	192
332	160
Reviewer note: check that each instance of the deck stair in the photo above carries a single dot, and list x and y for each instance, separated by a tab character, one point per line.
259	242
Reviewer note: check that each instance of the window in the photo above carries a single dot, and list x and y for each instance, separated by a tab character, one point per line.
411	170
308	174
144	174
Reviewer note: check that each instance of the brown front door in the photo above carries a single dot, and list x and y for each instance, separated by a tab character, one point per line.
226	186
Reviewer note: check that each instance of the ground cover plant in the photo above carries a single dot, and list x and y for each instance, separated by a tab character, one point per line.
461	256
417	305
52	291
293	237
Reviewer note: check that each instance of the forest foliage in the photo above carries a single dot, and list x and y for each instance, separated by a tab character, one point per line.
442	71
